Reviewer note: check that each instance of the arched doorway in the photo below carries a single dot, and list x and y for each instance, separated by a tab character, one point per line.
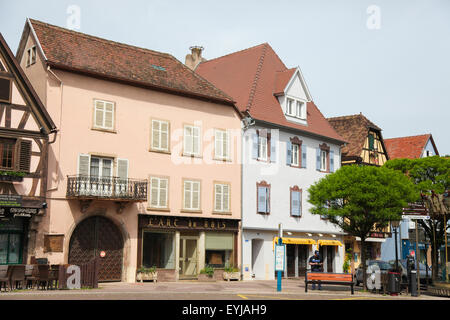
92	236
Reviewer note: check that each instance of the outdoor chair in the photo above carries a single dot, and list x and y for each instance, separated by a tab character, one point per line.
54	275
17	277
5	274
31	275
44	275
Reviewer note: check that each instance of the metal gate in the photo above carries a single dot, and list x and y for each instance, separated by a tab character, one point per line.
98	237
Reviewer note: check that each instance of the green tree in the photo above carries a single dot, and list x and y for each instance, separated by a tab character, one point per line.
360	198
430	175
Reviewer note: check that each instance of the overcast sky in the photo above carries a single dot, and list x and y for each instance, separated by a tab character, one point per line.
389	59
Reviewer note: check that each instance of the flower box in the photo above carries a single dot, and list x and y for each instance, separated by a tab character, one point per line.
232	276
148	276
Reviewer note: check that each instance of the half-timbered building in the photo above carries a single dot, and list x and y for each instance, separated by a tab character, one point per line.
25	130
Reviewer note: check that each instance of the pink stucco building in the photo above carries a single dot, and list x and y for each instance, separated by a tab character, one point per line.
144	171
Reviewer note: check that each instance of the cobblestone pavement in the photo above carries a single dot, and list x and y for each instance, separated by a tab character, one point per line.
194	290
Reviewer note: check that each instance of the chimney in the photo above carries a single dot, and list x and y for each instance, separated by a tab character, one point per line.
194	58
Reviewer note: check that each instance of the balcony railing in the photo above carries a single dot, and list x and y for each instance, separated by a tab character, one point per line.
113	188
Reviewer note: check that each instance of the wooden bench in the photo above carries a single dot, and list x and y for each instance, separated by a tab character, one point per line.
329	278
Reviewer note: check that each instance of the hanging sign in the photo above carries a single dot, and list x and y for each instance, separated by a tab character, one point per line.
10	200
102	254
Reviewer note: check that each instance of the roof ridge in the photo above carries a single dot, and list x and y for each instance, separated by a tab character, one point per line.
417	135
256	78
346	117
96	38
235	52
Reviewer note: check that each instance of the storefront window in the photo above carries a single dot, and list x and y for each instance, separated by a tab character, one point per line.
219	249
158	250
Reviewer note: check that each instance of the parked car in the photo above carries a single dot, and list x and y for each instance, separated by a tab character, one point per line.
384	266
402	266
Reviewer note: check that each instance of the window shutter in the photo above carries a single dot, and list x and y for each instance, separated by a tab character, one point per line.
109	115
273	150
154	192
304	155
218	198
262	199
84	161
187	194
226	145
196	195
288	153
156	134
99	109
24	155
122	169
300	203
164	126
331	161
163	192
226	198
267	200
196	143
317	158
295	205
255	146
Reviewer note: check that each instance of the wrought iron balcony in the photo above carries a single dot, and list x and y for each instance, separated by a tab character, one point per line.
109	188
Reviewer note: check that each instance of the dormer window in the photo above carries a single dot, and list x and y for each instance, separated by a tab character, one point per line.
295	108
31	56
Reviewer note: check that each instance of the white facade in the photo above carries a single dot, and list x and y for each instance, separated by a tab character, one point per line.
259	229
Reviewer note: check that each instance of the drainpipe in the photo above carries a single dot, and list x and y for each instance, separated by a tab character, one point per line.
60	122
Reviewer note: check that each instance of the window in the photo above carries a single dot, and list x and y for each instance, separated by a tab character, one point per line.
159	192
262	147
295	108
219	249
323	160
221	144
191	140
158	250
263	196
160	135
221	197
290	107
296	201
31	56
7	147
101	167
371	142
295	155
103	115
191	195
5	90
299	109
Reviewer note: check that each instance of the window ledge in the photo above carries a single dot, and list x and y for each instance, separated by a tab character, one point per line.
222	159
192	155
104	130
228	213
158	209
159	151
263	213
190	211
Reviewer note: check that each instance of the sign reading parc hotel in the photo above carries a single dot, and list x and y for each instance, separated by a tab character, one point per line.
10	200
186	223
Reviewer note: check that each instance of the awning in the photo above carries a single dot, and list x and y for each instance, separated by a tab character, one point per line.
372	239
294	241
329	243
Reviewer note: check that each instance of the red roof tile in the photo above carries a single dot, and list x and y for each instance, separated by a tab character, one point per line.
77	51
406	147
252	77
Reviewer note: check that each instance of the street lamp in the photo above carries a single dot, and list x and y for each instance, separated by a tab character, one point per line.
395	225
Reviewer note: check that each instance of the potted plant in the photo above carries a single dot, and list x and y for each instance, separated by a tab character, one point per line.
231	273
206	274
12	176
144	273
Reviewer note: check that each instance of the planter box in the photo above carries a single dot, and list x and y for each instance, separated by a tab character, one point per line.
232	276
150	276
11	178
205	278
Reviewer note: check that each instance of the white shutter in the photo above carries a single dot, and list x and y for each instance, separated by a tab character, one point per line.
163	184
196	195
154	192
196	142
164	126
218	197
109	115
156	134
84	161
99	113
187	194
218	148
122	174
226	198
188	140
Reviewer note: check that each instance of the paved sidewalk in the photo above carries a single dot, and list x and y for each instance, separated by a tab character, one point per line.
194	290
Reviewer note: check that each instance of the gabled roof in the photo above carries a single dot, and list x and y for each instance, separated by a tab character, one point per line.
31	97
408	147
354	129
253	77
78	52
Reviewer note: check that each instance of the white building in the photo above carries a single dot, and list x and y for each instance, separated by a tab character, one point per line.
287	146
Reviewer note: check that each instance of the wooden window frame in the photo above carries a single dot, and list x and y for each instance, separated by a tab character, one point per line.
190	210
14	155
259	133
149	203
214	197
160	150
325	148
10	89
263	184
94	116
295	189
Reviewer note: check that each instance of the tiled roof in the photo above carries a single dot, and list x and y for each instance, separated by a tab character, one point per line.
354	129
406	147
252	77
75	51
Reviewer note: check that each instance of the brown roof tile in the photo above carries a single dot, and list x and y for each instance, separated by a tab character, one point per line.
406	147
77	51
252	77
354	129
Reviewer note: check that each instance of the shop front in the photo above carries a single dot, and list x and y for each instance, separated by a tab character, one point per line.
180	247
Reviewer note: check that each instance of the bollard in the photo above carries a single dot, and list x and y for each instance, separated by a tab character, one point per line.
413	280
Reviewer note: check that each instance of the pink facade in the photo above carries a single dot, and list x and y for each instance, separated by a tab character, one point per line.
70	98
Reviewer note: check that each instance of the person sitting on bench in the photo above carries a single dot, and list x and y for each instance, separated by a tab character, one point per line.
316	266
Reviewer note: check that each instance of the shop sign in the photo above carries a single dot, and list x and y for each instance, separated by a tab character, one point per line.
10	200
18	212
165	222
381	235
